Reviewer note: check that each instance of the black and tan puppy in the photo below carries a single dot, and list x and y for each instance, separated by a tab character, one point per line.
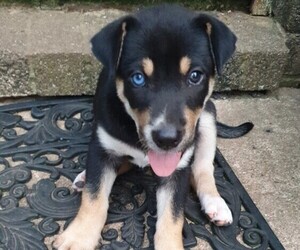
152	107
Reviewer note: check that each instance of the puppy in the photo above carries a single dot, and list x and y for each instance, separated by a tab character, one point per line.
152	107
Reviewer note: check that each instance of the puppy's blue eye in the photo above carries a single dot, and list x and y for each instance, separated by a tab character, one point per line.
195	77
138	79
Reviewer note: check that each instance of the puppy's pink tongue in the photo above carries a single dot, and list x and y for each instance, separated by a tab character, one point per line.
163	164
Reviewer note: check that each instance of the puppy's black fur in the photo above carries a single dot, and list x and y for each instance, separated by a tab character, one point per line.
152	99
165	34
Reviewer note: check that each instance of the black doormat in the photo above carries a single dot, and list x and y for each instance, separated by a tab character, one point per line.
43	147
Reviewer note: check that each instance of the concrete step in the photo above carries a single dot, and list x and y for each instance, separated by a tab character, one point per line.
47	52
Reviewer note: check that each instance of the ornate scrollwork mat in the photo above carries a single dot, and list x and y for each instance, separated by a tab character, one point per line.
43	146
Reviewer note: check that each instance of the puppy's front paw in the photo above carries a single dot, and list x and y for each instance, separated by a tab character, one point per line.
217	210
76	239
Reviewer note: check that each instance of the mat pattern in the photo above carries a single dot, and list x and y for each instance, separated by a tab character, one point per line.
43	146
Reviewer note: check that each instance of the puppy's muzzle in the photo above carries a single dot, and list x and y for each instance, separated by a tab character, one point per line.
167	137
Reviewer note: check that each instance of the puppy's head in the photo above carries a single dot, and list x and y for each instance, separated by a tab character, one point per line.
163	61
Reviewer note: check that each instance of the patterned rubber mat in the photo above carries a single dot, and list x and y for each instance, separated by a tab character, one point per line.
43	147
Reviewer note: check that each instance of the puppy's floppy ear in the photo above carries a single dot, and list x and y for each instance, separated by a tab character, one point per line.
108	43
222	40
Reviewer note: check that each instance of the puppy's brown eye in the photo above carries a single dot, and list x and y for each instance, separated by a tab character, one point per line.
195	77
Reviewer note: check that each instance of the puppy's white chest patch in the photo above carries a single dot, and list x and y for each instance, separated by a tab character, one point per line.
120	148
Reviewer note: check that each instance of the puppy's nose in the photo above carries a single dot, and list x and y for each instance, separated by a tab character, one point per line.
167	137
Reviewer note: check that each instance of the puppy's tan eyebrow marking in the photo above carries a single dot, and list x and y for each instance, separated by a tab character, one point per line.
148	66
184	65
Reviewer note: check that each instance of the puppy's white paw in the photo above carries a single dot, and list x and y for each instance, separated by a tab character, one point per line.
79	182
216	209
76	238
74	244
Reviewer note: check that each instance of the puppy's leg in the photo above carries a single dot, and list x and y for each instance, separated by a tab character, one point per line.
170	211
84	231
203	172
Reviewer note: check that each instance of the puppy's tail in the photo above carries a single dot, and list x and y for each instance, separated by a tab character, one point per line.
228	132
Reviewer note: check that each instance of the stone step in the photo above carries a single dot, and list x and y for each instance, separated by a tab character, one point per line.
47	52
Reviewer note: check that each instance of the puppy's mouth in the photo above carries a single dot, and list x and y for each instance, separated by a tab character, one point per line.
163	164
165	145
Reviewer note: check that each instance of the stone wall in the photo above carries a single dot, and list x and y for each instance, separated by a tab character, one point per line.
287	13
